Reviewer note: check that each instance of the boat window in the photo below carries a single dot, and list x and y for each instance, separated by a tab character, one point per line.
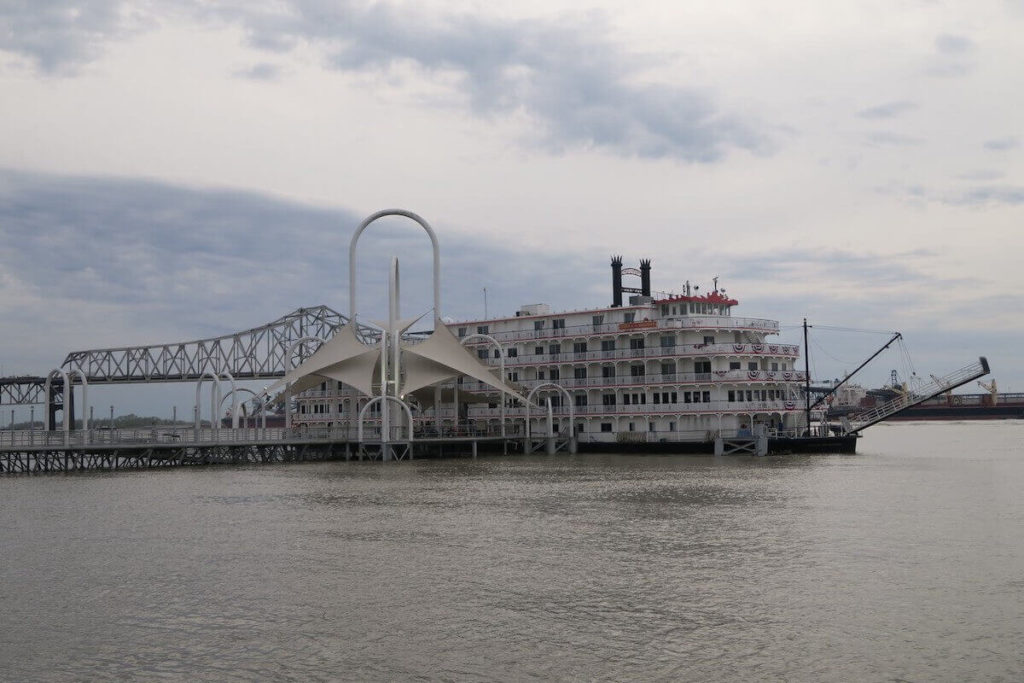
538	324
558	324
482	329
629	317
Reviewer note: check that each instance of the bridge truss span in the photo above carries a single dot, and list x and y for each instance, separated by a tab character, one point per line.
257	353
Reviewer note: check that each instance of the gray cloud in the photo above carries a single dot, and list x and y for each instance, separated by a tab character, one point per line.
1002	144
953	57
95	262
987	195
888	110
977	196
837	265
570	78
92	262
58	36
264	71
982	174
949	44
891	139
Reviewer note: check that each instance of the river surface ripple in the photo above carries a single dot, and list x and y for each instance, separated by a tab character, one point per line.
904	562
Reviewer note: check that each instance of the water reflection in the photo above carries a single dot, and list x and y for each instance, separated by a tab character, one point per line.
900	563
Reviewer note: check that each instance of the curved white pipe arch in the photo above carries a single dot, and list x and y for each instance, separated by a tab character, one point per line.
85	394
288	366
377	399
215	398
501	359
352	259
235	404
47	425
568	400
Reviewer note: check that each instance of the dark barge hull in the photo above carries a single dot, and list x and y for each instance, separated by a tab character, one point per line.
846	445
1010	412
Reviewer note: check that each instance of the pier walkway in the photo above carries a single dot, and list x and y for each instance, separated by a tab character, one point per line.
24	451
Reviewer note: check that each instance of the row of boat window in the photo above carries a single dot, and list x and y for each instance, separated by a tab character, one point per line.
667	342
670	397
667	369
691	308
581	400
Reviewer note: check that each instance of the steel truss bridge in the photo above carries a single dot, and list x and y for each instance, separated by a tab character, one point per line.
258	353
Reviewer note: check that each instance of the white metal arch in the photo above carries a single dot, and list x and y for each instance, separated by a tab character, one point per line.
46	398
352	259
377	399
215	399
568	399
85	395
235	405
288	366
501	363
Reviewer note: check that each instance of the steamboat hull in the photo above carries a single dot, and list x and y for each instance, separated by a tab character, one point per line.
1008	412
845	445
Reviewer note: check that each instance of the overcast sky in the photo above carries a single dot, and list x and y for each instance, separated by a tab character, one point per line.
175	170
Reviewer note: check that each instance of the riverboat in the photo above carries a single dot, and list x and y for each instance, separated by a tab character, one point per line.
656	372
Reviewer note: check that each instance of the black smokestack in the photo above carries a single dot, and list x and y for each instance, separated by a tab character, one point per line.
645	277
616	281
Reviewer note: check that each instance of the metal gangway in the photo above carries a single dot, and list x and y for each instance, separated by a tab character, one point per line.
939	385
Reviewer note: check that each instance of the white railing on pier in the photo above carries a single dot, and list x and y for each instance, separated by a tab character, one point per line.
164	437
